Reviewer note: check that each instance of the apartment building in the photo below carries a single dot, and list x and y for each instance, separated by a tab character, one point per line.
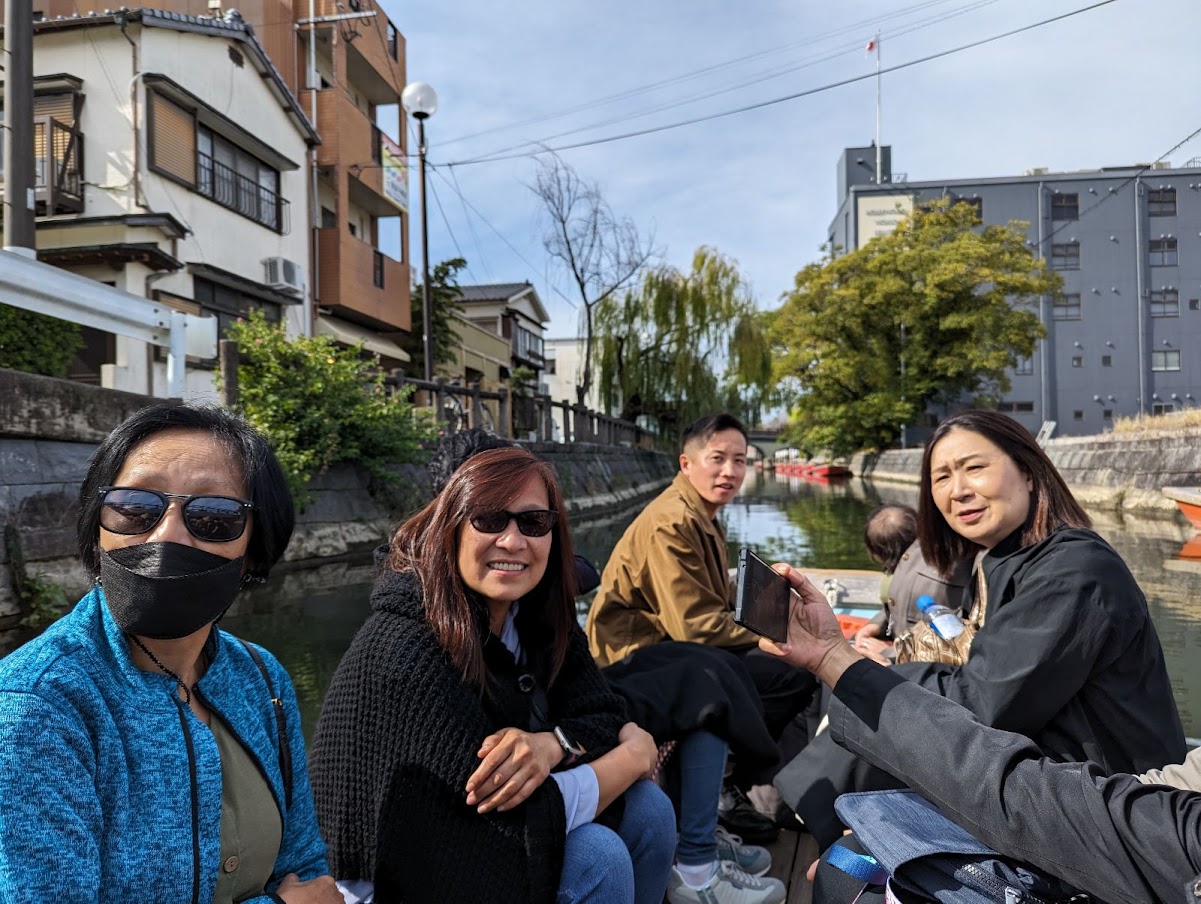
514	312
170	163
345	62
1124	337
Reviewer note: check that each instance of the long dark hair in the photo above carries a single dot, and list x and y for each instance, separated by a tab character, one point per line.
274	515
1052	504
428	545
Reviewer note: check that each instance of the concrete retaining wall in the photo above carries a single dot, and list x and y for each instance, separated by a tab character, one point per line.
50	428
1113	472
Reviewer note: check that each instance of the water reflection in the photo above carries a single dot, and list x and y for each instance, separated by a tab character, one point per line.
307	618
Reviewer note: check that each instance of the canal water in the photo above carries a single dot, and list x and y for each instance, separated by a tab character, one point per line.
308	617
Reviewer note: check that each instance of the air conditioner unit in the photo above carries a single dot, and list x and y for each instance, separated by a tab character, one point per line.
284	275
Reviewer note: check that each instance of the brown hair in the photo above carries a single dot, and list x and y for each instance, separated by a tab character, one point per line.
1052	505
428	545
890	530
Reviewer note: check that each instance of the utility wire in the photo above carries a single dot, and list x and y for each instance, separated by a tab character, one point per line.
697	73
501	235
787	97
804	63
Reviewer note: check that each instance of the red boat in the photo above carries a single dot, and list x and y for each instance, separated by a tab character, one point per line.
1189	501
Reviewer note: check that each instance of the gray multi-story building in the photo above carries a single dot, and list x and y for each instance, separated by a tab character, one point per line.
1124	337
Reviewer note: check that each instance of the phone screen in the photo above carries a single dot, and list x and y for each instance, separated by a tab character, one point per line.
763	598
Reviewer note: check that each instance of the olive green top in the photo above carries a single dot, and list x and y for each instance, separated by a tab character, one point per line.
251	829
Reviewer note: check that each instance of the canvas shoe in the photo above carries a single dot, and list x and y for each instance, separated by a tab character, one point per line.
750	858
729	885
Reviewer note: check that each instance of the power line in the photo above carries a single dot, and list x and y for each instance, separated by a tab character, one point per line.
708	94
501	235
696	73
787	97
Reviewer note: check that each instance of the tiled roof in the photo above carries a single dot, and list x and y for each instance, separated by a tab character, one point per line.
493	291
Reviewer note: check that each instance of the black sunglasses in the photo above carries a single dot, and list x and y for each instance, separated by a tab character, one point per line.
535	523
214	519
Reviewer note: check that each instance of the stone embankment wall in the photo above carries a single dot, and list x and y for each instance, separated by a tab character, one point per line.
50	428
1111	471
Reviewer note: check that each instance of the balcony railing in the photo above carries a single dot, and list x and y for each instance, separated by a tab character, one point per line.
58	167
241	194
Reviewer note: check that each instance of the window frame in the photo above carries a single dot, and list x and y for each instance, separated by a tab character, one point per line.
1161	202
1062	307
1065	256
1165	357
1163	302
1062	209
1163	252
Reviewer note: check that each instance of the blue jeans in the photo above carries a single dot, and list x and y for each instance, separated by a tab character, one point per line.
702	761
601	866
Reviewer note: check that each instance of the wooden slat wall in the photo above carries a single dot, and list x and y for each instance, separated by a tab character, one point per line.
173	138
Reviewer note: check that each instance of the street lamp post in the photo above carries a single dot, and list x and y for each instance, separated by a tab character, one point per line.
420	102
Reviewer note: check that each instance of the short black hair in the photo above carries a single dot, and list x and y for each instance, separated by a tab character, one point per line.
453	450
890	530
704	428
274	514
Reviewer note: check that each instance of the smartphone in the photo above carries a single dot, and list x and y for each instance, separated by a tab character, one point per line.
763	598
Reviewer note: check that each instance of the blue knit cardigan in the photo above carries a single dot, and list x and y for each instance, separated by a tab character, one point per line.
110	787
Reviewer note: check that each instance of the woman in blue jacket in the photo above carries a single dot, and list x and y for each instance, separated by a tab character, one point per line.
146	755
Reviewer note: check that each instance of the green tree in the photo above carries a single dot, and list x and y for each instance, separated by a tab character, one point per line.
683	344
444	304
320	403
36	343
936	311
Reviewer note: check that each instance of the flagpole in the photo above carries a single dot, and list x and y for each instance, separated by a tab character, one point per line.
879	149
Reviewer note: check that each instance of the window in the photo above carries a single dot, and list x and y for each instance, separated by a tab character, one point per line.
1065	256
1165	360
1162	407
228	305
1165	303
1066	307
1077	415
329	219
977	205
1077	360
1107	360
1162	252
1107	414
213	166
1161	202
1024	366
529	345
550	367
1194	304
393	41
1016	407
1065	206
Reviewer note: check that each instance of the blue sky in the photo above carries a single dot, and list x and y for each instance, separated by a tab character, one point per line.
1113	86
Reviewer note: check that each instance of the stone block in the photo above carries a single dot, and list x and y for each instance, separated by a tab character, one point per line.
20	462
64	462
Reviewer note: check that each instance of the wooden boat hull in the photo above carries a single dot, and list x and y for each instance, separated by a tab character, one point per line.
1188	500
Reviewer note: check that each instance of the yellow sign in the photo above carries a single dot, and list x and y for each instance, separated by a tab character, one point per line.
878	215
396	173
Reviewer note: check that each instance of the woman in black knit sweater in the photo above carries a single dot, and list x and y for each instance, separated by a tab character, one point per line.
469	749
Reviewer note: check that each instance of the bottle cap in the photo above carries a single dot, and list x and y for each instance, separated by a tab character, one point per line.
925	601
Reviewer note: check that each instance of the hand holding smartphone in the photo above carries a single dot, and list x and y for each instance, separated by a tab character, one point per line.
763	598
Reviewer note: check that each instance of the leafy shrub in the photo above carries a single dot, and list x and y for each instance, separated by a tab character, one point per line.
36	343
320	403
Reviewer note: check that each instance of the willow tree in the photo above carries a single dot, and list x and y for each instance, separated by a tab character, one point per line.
683	344
931	314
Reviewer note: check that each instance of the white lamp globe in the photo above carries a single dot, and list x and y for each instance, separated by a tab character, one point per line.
419	100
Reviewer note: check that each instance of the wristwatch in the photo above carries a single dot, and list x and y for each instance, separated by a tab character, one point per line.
571	750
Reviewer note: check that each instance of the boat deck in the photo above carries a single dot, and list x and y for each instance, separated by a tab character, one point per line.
791	855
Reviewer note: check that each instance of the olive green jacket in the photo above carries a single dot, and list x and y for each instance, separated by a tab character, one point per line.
667	579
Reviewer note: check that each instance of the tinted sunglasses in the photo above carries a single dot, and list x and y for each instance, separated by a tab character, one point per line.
214	519
536	523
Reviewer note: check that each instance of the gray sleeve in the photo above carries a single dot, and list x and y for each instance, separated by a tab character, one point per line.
1115	837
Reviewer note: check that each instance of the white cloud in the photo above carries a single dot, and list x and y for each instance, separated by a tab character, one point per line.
1099	89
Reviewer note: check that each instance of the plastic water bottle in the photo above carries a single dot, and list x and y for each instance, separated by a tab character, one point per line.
945	623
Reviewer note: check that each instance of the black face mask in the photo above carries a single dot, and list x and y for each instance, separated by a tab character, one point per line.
167	590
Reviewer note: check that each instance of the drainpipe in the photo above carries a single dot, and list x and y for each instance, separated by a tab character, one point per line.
314	203
1139	307
1045	356
133	96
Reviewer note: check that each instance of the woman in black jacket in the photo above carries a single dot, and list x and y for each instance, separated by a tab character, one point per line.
469	749
1067	656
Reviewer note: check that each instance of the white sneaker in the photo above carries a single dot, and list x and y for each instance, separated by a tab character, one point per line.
750	858
729	885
